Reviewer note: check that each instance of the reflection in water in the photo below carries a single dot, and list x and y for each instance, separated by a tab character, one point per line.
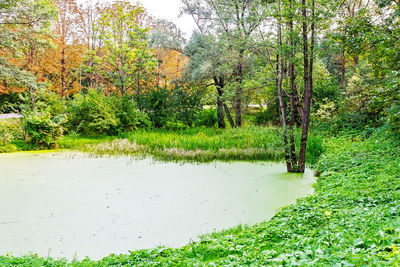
62	205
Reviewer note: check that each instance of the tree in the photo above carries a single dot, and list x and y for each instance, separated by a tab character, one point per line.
168	41
66	31
124	35
234	22
25	28
89	16
208	61
306	15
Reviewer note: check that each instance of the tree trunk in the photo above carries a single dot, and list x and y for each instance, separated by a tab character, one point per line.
220	107
308	81
229	116
293	93
342	70
239	90
280	93
30	69
220	113
63	69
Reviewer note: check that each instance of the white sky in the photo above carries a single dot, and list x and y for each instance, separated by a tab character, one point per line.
166	9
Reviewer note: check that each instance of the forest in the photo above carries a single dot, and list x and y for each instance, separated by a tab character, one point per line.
313	84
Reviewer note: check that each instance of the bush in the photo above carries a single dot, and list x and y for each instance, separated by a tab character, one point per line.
129	117
267	116
92	114
165	106
10	130
156	103
9	102
51	102
394	117
44	130
207	117
186	105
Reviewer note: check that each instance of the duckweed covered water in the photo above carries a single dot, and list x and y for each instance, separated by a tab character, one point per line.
66	205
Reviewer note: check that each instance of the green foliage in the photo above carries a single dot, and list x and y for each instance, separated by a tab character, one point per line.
207	118
186	103
44	130
128	55
10	130
267	116
27	26
49	101
156	103
129	117
197	144
9	102
92	114
394	117
177	106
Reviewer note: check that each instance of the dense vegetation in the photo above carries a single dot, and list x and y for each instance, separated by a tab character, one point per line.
196	144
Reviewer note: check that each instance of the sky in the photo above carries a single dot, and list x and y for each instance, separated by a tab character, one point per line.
166	9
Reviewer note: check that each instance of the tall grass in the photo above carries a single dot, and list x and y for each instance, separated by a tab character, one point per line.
197	144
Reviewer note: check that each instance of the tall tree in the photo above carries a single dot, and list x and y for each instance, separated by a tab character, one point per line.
66	29
25	31
293	14
209	61
235	22
125	37
89	16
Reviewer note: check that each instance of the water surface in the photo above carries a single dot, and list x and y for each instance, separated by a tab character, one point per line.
65	205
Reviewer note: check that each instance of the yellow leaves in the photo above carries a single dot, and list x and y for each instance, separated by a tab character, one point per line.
171	64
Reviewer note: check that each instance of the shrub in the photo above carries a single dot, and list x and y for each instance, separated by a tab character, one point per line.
156	103
50	101
267	116
9	102
44	130
166	106
129	117
186	105
394	117
207	117
10	130
92	114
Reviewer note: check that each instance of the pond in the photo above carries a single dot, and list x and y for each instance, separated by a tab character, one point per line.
71	205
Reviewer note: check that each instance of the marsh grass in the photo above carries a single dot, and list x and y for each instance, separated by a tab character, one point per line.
196	144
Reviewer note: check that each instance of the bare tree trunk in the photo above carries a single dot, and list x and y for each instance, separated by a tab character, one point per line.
280	93
308	81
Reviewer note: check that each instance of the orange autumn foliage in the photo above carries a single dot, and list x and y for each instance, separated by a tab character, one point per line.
171	65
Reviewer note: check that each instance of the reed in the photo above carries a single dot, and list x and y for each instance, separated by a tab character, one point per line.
197	144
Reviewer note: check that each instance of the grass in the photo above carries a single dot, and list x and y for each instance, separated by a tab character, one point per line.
353	219
198	144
